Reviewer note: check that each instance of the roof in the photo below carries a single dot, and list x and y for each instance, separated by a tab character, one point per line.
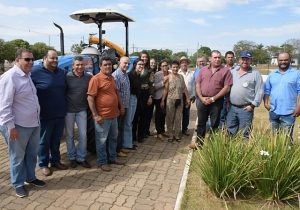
110	15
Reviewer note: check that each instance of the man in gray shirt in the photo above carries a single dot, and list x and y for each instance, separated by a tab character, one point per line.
246	93
77	82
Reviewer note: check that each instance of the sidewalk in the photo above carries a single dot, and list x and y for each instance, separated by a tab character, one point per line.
150	180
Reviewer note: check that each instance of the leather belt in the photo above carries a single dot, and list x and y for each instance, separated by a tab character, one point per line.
241	106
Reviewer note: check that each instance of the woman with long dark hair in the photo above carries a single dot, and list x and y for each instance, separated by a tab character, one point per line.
145	98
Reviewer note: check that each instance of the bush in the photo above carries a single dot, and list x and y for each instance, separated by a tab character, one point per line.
225	164
267	163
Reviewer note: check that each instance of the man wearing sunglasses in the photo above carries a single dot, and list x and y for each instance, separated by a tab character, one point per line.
19	121
50	82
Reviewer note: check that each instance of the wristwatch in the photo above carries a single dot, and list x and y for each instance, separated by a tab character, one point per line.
212	99
252	106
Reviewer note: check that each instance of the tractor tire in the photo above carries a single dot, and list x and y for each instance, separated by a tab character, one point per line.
90	133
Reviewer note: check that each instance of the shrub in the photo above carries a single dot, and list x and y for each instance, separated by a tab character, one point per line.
278	162
225	164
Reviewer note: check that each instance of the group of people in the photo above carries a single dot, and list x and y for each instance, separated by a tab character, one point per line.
39	102
227	95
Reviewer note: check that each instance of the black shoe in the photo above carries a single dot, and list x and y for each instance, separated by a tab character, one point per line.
21	192
145	136
84	164
73	163
149	134
130	148
141	140
134	145
37	183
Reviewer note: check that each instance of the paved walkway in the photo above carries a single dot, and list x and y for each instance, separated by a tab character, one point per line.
150	180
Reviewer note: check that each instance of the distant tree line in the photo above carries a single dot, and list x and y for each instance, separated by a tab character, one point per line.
261	54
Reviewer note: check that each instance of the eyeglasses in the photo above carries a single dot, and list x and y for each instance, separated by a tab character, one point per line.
140	64
28	59
164	65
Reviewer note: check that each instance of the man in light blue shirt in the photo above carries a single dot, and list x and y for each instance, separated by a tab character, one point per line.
283	86
20	122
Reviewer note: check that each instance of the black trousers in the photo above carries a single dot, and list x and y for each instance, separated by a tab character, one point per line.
159	117
139	121
213	110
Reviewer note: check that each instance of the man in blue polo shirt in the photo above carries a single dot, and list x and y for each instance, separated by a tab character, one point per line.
283	86
50	82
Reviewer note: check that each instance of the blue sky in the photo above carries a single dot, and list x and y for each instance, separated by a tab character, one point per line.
179	25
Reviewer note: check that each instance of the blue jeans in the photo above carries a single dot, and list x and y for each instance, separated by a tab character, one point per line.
239	118
130	111
51	133
185	118
22	154
106	136
81	121
283	122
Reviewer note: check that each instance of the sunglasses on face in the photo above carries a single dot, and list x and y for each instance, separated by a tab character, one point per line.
28	59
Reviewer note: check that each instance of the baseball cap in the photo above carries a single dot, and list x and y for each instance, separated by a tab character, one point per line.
246	54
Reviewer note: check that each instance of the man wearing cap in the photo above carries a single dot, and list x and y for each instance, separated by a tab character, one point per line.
283	86
190	84
213	83
246	93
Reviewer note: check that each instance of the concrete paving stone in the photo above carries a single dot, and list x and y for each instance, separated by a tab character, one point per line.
110	187
166	187
165	199
139	176
21	201
116	207
121	200
42	206
153	176
32	205
130	193
140	183
7	201
8	188
154	194
118	189
168	206
85	204
145	193
106	200
138	206
59	201
169	194
69	179
13	206
152	187
55	208
159	205
72	193
93	196
133	189
132	181
149	157
68	202
146	201
157	183
130	201
99	184
100	206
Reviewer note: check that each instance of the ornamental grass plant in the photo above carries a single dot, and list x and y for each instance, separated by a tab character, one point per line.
225	164
267	163
278	176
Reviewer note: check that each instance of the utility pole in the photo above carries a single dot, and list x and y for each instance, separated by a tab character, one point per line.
132	48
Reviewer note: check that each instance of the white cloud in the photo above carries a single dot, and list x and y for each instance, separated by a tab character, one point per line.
293	28
6	10
159	21
296	10
202	5
125	6
217	16
198	21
